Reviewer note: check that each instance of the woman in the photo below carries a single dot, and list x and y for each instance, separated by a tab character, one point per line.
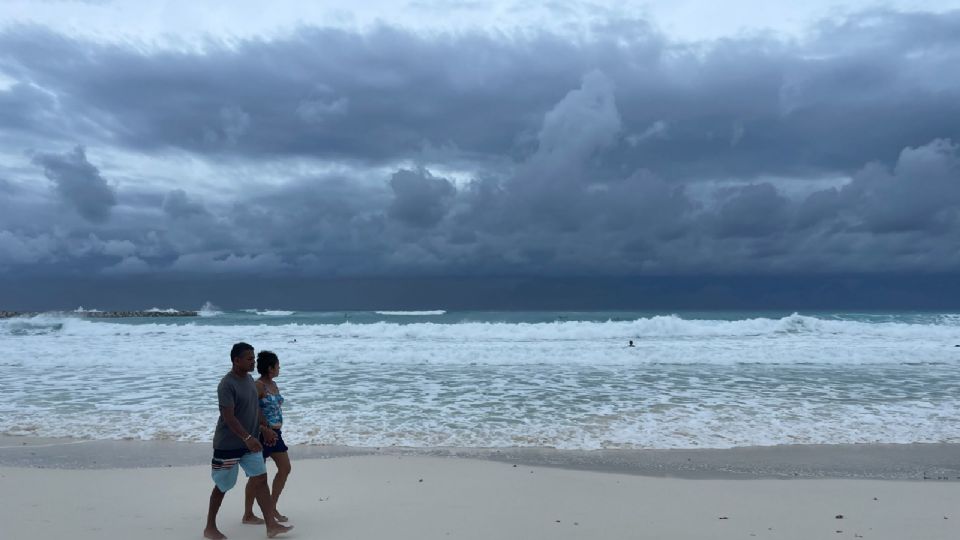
271	402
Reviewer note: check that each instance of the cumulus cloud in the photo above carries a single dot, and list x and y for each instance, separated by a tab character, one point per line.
548	185
583	121
79	184
921	192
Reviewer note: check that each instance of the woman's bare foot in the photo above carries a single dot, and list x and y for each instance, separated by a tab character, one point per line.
279	529
281	518
252	519
213	534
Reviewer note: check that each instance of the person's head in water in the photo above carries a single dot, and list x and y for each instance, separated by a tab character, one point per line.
268	365
630	344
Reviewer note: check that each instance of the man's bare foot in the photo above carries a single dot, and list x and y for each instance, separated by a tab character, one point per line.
252	520
281	518
279	529
213	534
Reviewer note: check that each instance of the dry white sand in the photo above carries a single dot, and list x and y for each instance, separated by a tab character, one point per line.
400	497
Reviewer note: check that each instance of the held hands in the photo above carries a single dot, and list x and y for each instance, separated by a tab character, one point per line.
269	436
253	444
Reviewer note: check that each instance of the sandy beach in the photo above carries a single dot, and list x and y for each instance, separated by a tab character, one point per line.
390	494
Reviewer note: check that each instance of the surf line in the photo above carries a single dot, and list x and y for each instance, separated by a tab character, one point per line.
28	446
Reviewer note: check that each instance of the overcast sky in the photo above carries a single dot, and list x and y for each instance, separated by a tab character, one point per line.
478	139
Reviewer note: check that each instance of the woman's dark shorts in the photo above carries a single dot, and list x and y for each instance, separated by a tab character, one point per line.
280	446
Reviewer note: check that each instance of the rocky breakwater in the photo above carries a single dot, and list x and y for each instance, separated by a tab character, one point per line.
104	314
126	314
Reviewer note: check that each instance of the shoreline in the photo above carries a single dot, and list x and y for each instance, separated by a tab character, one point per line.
918	461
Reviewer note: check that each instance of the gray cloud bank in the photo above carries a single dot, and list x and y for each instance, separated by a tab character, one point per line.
340	154
79	183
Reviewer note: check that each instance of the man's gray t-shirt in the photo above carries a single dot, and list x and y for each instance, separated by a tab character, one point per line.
240	393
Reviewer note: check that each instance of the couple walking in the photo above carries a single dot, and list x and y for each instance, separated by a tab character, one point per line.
248	431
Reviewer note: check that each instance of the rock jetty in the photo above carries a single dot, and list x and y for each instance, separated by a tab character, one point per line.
124	314
102	314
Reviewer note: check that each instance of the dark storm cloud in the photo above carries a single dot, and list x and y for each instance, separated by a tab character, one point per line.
419	198
321	92
755	210
323	224
922	193
79	184
850	94
177	205
587	157
17	249
549	184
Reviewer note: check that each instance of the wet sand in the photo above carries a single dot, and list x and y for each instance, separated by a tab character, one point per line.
874	461
105	489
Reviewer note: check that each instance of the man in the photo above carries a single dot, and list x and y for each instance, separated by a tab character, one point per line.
235	442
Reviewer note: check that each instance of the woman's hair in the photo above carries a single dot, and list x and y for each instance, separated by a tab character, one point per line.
266	360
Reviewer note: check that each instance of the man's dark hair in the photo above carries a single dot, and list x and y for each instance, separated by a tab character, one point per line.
238	350
266	360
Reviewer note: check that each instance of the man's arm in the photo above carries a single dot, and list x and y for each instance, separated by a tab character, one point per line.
234	425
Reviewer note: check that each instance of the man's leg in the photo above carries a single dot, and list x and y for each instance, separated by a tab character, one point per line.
261	492
211	531
248	516
223	472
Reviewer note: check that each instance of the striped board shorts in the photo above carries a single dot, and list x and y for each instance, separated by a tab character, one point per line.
223	467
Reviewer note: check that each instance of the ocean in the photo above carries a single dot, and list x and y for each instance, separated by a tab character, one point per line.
566	380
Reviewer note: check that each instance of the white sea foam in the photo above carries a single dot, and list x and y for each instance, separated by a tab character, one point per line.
668	339
209	310
158	310
570	384
269	312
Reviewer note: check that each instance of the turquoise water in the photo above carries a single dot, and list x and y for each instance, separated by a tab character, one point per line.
482	379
